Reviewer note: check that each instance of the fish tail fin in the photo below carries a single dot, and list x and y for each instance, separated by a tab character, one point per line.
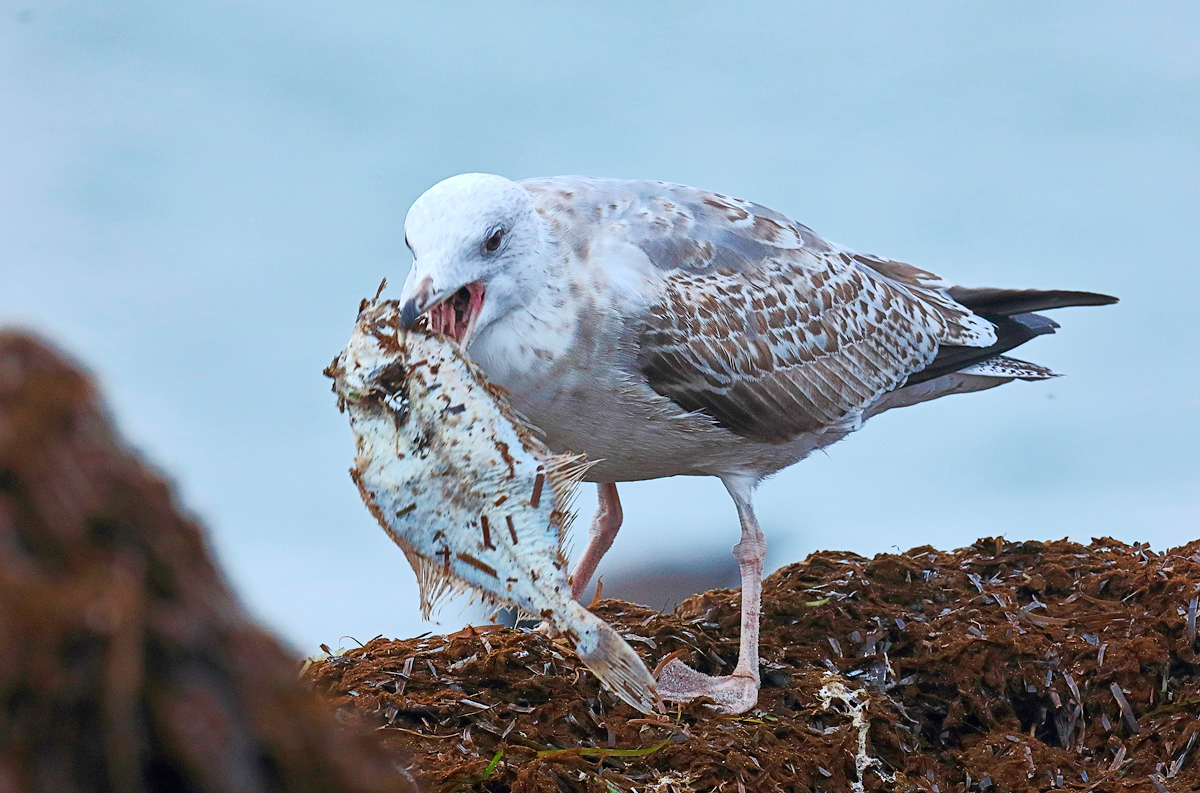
609	657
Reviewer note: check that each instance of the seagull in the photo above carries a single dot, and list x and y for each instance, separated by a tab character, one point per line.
663	330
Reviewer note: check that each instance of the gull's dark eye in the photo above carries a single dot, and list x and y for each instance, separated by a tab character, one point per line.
492	244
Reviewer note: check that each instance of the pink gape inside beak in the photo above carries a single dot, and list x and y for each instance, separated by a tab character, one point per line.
457	315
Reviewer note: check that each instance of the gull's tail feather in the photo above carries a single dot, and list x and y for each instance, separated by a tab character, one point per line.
1011	312
1004	366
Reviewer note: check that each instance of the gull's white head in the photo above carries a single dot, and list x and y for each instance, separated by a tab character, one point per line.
477	245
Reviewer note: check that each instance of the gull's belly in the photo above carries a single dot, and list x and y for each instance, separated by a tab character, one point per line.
570	375
632	433
624	442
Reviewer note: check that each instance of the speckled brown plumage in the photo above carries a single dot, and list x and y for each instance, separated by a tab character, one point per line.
760	324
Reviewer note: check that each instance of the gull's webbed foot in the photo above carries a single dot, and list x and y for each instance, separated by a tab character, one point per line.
736	693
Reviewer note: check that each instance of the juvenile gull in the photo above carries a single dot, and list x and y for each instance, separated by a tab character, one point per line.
663	330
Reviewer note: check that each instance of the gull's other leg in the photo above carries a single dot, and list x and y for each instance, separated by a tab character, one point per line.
605	525
737	692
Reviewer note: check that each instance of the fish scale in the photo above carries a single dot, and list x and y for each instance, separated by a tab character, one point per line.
466	490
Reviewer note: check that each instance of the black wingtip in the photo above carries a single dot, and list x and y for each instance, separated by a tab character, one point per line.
1007	302
1095	299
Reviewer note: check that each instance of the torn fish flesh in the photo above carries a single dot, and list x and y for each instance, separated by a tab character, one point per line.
463	486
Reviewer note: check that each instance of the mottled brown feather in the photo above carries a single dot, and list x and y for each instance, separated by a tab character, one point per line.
769	373
762	325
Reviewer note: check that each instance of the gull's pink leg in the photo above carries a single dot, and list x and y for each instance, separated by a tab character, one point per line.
737	692
605	524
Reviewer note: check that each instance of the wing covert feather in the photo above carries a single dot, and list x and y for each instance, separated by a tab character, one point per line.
773	357
762	325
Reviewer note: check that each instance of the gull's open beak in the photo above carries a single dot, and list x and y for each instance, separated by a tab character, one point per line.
454	313
415	306
409	314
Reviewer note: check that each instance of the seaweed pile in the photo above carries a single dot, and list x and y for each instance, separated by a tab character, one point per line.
126	662
1004	666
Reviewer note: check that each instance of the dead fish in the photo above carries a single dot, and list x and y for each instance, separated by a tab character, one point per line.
462	485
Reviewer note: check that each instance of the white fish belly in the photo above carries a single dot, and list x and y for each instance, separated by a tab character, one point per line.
461	485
